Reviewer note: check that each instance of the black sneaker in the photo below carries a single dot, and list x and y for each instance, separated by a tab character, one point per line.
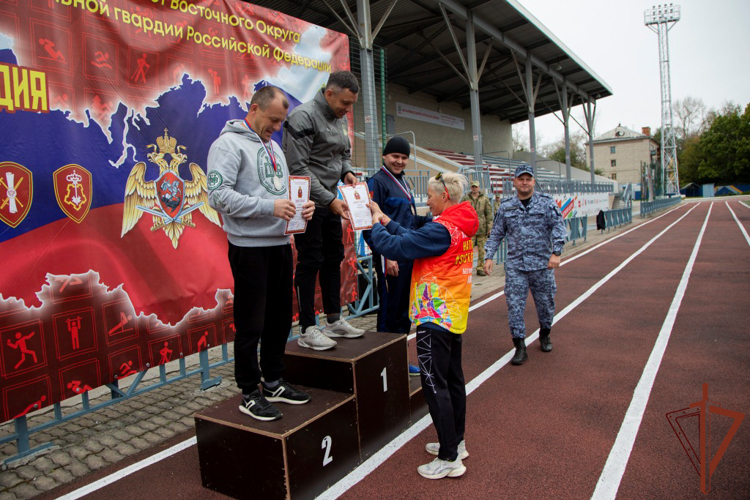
285	393
258	407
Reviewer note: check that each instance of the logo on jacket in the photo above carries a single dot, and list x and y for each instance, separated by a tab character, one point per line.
16	192
169	199
73	190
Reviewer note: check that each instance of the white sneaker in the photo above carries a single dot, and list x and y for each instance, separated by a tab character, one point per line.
434	449
314	339
341	328
438	469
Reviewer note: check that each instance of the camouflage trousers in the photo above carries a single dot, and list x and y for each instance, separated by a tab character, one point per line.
543	288
478	242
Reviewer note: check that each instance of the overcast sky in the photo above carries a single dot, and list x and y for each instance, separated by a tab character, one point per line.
709	51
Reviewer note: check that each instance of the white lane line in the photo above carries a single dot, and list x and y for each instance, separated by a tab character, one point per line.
738	223
381	456
571	259
384	454
101	483
609	481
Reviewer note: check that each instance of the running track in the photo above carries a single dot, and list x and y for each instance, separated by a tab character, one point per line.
643	320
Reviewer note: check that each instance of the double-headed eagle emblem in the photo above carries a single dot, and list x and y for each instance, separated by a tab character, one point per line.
169	199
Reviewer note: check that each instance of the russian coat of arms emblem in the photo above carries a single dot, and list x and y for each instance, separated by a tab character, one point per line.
169	199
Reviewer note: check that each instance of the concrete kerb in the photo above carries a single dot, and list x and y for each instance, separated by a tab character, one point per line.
109	435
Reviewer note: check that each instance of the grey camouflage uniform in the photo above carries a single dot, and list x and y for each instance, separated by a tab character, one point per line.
533	233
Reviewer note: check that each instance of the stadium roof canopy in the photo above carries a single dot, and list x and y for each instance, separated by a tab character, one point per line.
422	54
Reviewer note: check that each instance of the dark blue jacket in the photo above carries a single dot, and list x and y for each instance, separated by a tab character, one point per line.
393	202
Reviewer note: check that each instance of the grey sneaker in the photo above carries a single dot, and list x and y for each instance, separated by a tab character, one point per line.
314	339
438	469
434	449
341	328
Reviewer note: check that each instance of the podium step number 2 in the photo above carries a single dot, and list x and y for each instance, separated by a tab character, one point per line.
245	458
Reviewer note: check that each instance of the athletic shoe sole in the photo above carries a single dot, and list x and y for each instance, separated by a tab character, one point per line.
302	343
334	335
281	399
256	417
450	473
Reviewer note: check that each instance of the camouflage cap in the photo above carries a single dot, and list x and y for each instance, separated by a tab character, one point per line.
474	183
524	168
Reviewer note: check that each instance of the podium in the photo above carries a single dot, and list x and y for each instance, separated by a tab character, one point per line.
362	397
299	456
373	368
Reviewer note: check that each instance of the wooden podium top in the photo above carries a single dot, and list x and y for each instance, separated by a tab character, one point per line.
348	350
295	416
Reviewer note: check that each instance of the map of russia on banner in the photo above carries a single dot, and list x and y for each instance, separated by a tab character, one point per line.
98	100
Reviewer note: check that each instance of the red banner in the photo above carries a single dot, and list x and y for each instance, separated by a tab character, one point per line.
113	262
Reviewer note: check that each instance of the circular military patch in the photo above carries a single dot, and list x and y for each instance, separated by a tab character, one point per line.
214	180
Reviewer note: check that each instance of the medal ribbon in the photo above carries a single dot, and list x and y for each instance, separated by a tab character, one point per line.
271	154
406	190
404	187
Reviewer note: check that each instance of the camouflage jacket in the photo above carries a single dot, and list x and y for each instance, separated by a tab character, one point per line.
483	207
533	232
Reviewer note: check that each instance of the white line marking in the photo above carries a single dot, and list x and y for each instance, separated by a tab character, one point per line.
381	456
116	476
571	259
609	481
376	460
738	223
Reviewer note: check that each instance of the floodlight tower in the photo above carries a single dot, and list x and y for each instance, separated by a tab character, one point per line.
660	20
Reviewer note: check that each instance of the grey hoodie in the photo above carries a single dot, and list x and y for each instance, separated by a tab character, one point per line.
317	145
241	186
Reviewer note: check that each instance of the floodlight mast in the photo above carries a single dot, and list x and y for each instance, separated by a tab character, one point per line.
660	19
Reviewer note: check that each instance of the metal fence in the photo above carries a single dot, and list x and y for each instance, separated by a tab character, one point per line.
617	217
562	187
22	430
649	207
577	228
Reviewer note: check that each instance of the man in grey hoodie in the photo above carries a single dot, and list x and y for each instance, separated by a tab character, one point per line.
247	184
316	143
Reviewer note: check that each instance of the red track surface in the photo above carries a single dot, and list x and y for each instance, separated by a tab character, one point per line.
546	429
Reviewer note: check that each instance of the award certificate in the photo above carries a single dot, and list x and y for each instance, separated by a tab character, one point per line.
357	198
299	193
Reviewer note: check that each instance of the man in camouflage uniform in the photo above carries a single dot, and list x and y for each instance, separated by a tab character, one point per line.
483	207
536	233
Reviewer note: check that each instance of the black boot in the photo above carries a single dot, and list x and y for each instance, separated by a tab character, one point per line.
544	342
521	355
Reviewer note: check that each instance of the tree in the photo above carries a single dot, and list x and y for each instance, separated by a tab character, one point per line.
690	113
556	150
689	160
520	140
725	147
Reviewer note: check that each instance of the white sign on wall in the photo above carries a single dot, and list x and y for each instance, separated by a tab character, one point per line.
584	204
429	116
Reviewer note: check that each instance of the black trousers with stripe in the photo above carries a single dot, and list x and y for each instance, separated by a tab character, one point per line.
443	386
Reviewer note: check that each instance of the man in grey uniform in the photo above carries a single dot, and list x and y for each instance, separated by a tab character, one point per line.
316	145
536	233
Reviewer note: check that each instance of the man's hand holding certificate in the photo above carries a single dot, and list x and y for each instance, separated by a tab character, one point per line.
357	199
299	194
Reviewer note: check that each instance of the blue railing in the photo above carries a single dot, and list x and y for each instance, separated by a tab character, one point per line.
367	299
618	217
577	228
649	207
22	430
